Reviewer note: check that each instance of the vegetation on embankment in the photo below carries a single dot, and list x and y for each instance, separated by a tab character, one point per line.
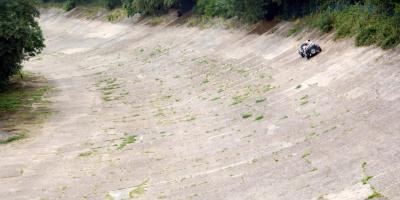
20	36
368	24
371	22
22	104
20	39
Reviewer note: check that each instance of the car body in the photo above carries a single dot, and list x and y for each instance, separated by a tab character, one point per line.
309	50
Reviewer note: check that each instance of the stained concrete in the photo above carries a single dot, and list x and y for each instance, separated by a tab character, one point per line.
163	113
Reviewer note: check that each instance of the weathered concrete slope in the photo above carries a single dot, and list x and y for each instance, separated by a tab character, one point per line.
182	113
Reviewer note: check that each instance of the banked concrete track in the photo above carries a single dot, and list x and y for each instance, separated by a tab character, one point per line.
173	112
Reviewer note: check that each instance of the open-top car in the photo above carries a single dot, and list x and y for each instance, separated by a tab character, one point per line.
309	50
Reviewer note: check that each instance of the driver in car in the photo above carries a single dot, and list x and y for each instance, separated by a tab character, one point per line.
308	43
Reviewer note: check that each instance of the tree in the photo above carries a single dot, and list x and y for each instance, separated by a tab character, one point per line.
20	36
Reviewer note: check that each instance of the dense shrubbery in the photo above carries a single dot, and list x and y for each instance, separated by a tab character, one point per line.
148	7
71	4
111	4
20	36
249	10
370	21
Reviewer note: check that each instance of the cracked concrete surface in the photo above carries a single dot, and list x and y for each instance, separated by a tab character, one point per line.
163	113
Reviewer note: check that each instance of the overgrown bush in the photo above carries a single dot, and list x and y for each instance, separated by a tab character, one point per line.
324	21
148	7
111	4
247	10
69	5
20	36
366	35
369	21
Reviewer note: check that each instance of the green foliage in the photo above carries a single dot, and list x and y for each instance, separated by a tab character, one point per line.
367	35
148	7
370	21
324	21
248	10
111	4
116	15
369	26
348	21
246	115
16	98
13	138
20	36
128	140
294	31
69	5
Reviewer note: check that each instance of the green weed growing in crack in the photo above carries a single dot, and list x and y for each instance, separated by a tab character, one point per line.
304	97
365	180
242	71
375	194
305	156
127	140
331	129
108	86
268	88
205	81
215	98
246	115
238	99
260	100
259	117
284	117
140	49
86	154
159	51
139	190
166	97
311	136
304	100
275	156
190	118
13	138
109	197
203	61
160	113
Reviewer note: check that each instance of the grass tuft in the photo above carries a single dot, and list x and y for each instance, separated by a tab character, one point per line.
260	117
246	115
116	15
260	100
139	190
155	20
128	140
13	138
